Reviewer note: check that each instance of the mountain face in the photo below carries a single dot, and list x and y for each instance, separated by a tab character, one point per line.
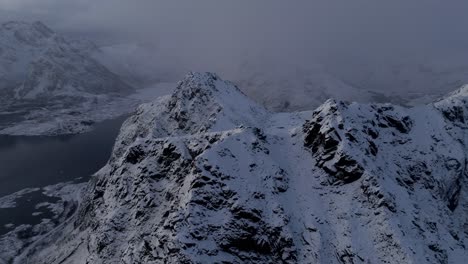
37	63
49	83
208	176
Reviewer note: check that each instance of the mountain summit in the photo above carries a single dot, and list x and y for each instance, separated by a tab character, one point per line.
208	176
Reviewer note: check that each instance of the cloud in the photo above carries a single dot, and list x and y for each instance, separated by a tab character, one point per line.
209	34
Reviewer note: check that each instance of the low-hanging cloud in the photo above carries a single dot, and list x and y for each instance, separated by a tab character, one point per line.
219	35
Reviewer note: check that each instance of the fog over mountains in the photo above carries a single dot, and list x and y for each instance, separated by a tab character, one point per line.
341	136
37	63
54	83
399	48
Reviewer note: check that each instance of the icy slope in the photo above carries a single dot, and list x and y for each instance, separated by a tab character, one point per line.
208	176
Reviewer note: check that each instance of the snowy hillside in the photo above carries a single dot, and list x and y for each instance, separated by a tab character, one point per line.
35	62
208	176
49	84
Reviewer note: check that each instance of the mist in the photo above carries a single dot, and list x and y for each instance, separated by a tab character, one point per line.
274	35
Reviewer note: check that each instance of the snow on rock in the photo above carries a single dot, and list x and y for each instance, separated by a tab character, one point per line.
207	176
454	106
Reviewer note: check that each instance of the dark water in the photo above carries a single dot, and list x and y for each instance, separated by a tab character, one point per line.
31	162
27	162
23	212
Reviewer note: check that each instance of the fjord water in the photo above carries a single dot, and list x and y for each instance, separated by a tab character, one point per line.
27	162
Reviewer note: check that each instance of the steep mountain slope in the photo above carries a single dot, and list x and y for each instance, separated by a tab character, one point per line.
40	69
208	176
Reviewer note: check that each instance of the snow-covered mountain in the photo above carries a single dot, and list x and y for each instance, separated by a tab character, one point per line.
35	62
209	176
48	78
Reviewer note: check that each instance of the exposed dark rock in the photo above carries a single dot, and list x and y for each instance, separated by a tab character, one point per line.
324	146
454	114
402	125
135	155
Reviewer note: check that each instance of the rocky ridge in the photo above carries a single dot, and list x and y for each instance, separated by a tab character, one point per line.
208	176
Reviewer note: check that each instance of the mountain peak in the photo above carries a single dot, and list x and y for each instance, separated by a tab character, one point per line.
206	81
26	29
201	103
200	78
207	95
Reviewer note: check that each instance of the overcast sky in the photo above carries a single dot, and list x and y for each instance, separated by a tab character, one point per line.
220	31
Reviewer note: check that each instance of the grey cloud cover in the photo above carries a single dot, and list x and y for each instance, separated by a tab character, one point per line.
211	34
